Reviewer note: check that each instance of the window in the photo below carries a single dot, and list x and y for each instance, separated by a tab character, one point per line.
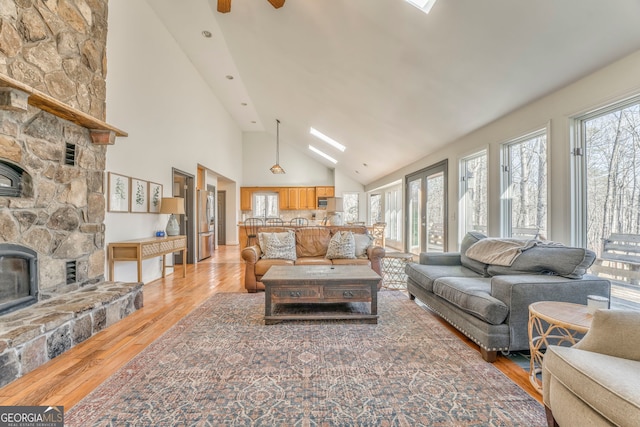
265	205
473	193
351	206
393	214
375	205
524	186
607	195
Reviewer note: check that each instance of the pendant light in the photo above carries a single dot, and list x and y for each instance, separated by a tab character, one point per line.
277	168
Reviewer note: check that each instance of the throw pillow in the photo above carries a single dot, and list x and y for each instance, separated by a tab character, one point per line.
363	242
278	245
342	245
469	239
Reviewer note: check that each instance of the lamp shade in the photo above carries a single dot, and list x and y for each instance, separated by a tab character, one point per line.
334	204
172	205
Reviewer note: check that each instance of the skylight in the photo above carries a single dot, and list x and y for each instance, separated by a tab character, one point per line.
315	132
325	155
423	5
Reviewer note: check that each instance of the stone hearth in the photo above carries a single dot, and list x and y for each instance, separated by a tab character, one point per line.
32	336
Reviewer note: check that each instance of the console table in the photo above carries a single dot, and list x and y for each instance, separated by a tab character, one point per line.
151	247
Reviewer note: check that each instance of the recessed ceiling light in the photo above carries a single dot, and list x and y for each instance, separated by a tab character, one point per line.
253	122
325	138
206	34
423	5
229	77
244	104
325	155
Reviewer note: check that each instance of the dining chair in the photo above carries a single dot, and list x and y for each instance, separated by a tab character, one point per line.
251	226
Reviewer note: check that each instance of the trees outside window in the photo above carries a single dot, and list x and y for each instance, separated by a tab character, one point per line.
265	205
524	186
375	208
473	193
607	154
351	206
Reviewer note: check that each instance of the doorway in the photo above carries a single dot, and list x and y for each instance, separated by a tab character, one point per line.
426	210
222	222
184	186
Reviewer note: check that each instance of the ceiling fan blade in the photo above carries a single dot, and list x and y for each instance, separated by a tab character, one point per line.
276	3
224	6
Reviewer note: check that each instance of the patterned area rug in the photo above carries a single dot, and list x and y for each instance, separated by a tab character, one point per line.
222	366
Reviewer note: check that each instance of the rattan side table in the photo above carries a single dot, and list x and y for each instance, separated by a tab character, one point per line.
553	323
393	275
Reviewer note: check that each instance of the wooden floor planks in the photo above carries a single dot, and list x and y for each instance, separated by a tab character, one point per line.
69	377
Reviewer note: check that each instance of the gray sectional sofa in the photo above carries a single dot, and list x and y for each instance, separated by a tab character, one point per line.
489	303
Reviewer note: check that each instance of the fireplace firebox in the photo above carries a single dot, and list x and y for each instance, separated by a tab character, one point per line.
18	277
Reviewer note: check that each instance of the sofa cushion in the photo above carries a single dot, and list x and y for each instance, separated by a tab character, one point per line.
278	245
313	260
469	239
363	242
424	275
312	241
352	261
341	245
264	265
473	296
549	258
608	384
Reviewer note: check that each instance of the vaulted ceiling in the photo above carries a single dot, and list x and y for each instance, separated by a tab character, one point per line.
391	83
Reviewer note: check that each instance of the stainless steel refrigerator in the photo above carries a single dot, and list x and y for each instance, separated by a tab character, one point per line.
206	223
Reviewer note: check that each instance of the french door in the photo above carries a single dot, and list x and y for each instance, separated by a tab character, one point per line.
426	209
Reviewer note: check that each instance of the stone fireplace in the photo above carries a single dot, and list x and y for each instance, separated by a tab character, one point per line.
53	293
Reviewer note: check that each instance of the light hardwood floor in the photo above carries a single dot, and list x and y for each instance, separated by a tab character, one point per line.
69	377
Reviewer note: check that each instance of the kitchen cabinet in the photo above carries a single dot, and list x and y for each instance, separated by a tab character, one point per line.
289	198
283	198
325	191
246	198
294	198
309	199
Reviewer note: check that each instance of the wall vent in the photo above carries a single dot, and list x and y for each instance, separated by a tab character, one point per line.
70	155
72	268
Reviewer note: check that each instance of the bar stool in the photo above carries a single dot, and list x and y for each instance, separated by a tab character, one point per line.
251	226
299	222
276	222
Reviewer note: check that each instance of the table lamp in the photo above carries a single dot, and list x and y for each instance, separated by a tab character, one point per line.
173	206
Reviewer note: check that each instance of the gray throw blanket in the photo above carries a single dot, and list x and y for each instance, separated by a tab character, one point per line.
497	251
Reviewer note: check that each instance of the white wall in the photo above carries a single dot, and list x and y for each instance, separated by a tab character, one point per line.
612	83
259	149
172	117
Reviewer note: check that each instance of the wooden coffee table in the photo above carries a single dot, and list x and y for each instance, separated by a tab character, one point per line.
320	284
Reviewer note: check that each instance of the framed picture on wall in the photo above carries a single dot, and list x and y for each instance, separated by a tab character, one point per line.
118	191
139	196
155	194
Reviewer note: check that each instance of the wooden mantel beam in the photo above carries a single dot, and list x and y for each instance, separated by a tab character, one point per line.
59	109
224	6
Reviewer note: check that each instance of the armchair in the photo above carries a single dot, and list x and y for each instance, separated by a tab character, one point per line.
597	381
